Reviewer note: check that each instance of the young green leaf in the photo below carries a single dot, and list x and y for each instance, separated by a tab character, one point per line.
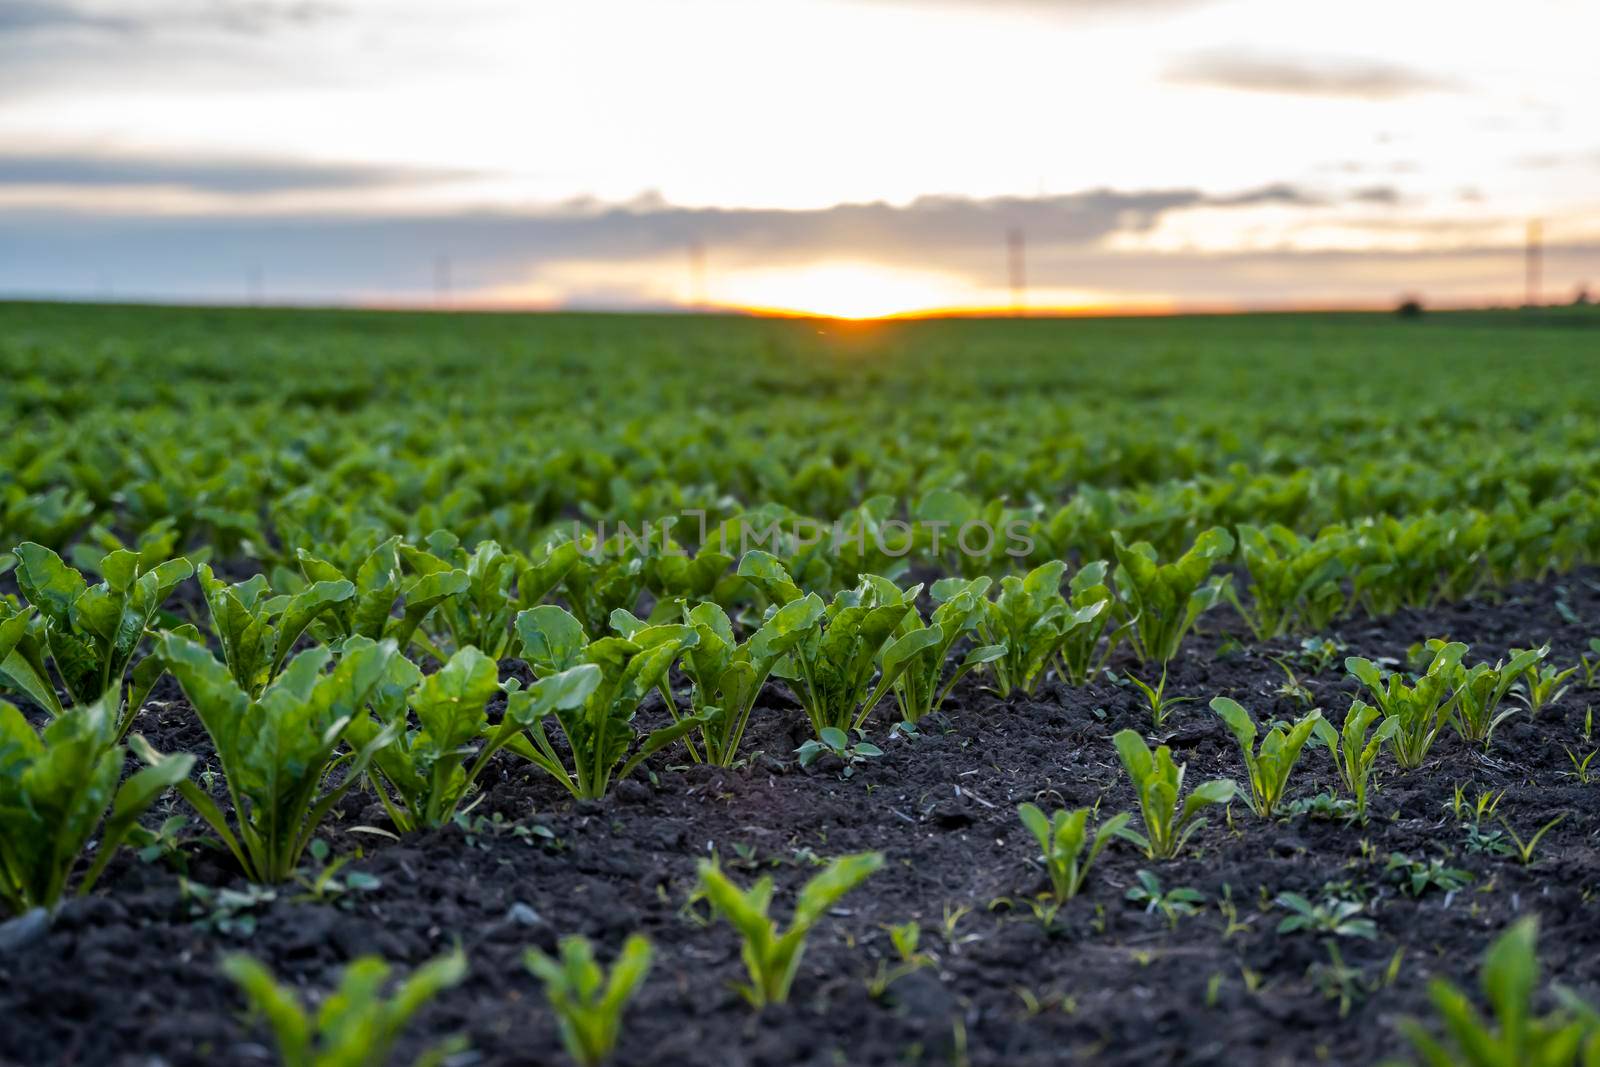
1158	783
589	1003
357	1024
771	959
56	788
1268	767
277	751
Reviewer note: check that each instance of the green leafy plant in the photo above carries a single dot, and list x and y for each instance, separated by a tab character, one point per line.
1173	904
1092	605
676	576
1480	690
1269	767
604	577
257	630
89	633
479	614
1580	767
1512	1036
611	676
772	959
1294	580
429	770
727	676
1419	710
962	607
56	788
164	843
1067	849
1032	621
387	603
358	1025
1335	917
1161	601
277	751
1158	783
1355	749
1542	686
831	667
587	1002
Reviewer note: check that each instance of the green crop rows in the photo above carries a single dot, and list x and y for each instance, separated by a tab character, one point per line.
377	552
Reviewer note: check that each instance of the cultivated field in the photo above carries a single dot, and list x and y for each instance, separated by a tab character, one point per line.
1192	690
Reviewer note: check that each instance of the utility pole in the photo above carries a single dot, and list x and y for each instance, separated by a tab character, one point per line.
1535	264
1015	264
697	275
441	280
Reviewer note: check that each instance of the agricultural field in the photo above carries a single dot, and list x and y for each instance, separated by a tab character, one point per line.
741	692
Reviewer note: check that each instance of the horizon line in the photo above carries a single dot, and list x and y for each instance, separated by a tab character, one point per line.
973	312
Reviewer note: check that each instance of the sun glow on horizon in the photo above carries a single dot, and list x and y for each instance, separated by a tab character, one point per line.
841	290
859	291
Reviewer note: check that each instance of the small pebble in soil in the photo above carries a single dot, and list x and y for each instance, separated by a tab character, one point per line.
24	930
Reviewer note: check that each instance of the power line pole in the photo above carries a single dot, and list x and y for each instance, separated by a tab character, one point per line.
1535	264
1016	264
697	275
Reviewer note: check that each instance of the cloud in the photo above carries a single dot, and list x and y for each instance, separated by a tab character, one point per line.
25	16
572	248
202	174
1386	195
1259	72
248	17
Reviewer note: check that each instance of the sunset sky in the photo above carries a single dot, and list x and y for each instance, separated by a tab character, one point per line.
854	158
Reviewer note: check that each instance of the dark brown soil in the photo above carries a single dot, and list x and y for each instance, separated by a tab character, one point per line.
127	975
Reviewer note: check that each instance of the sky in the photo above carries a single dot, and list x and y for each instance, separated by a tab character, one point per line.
846	157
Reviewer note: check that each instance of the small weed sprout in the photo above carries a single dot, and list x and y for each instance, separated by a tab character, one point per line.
1173	904
836	741
1160	705
1524	850
1580	767
905	937
1292	688
1416	877
1337	918
1590	665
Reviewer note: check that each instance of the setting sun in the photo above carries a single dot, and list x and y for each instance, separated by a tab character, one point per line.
843	291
